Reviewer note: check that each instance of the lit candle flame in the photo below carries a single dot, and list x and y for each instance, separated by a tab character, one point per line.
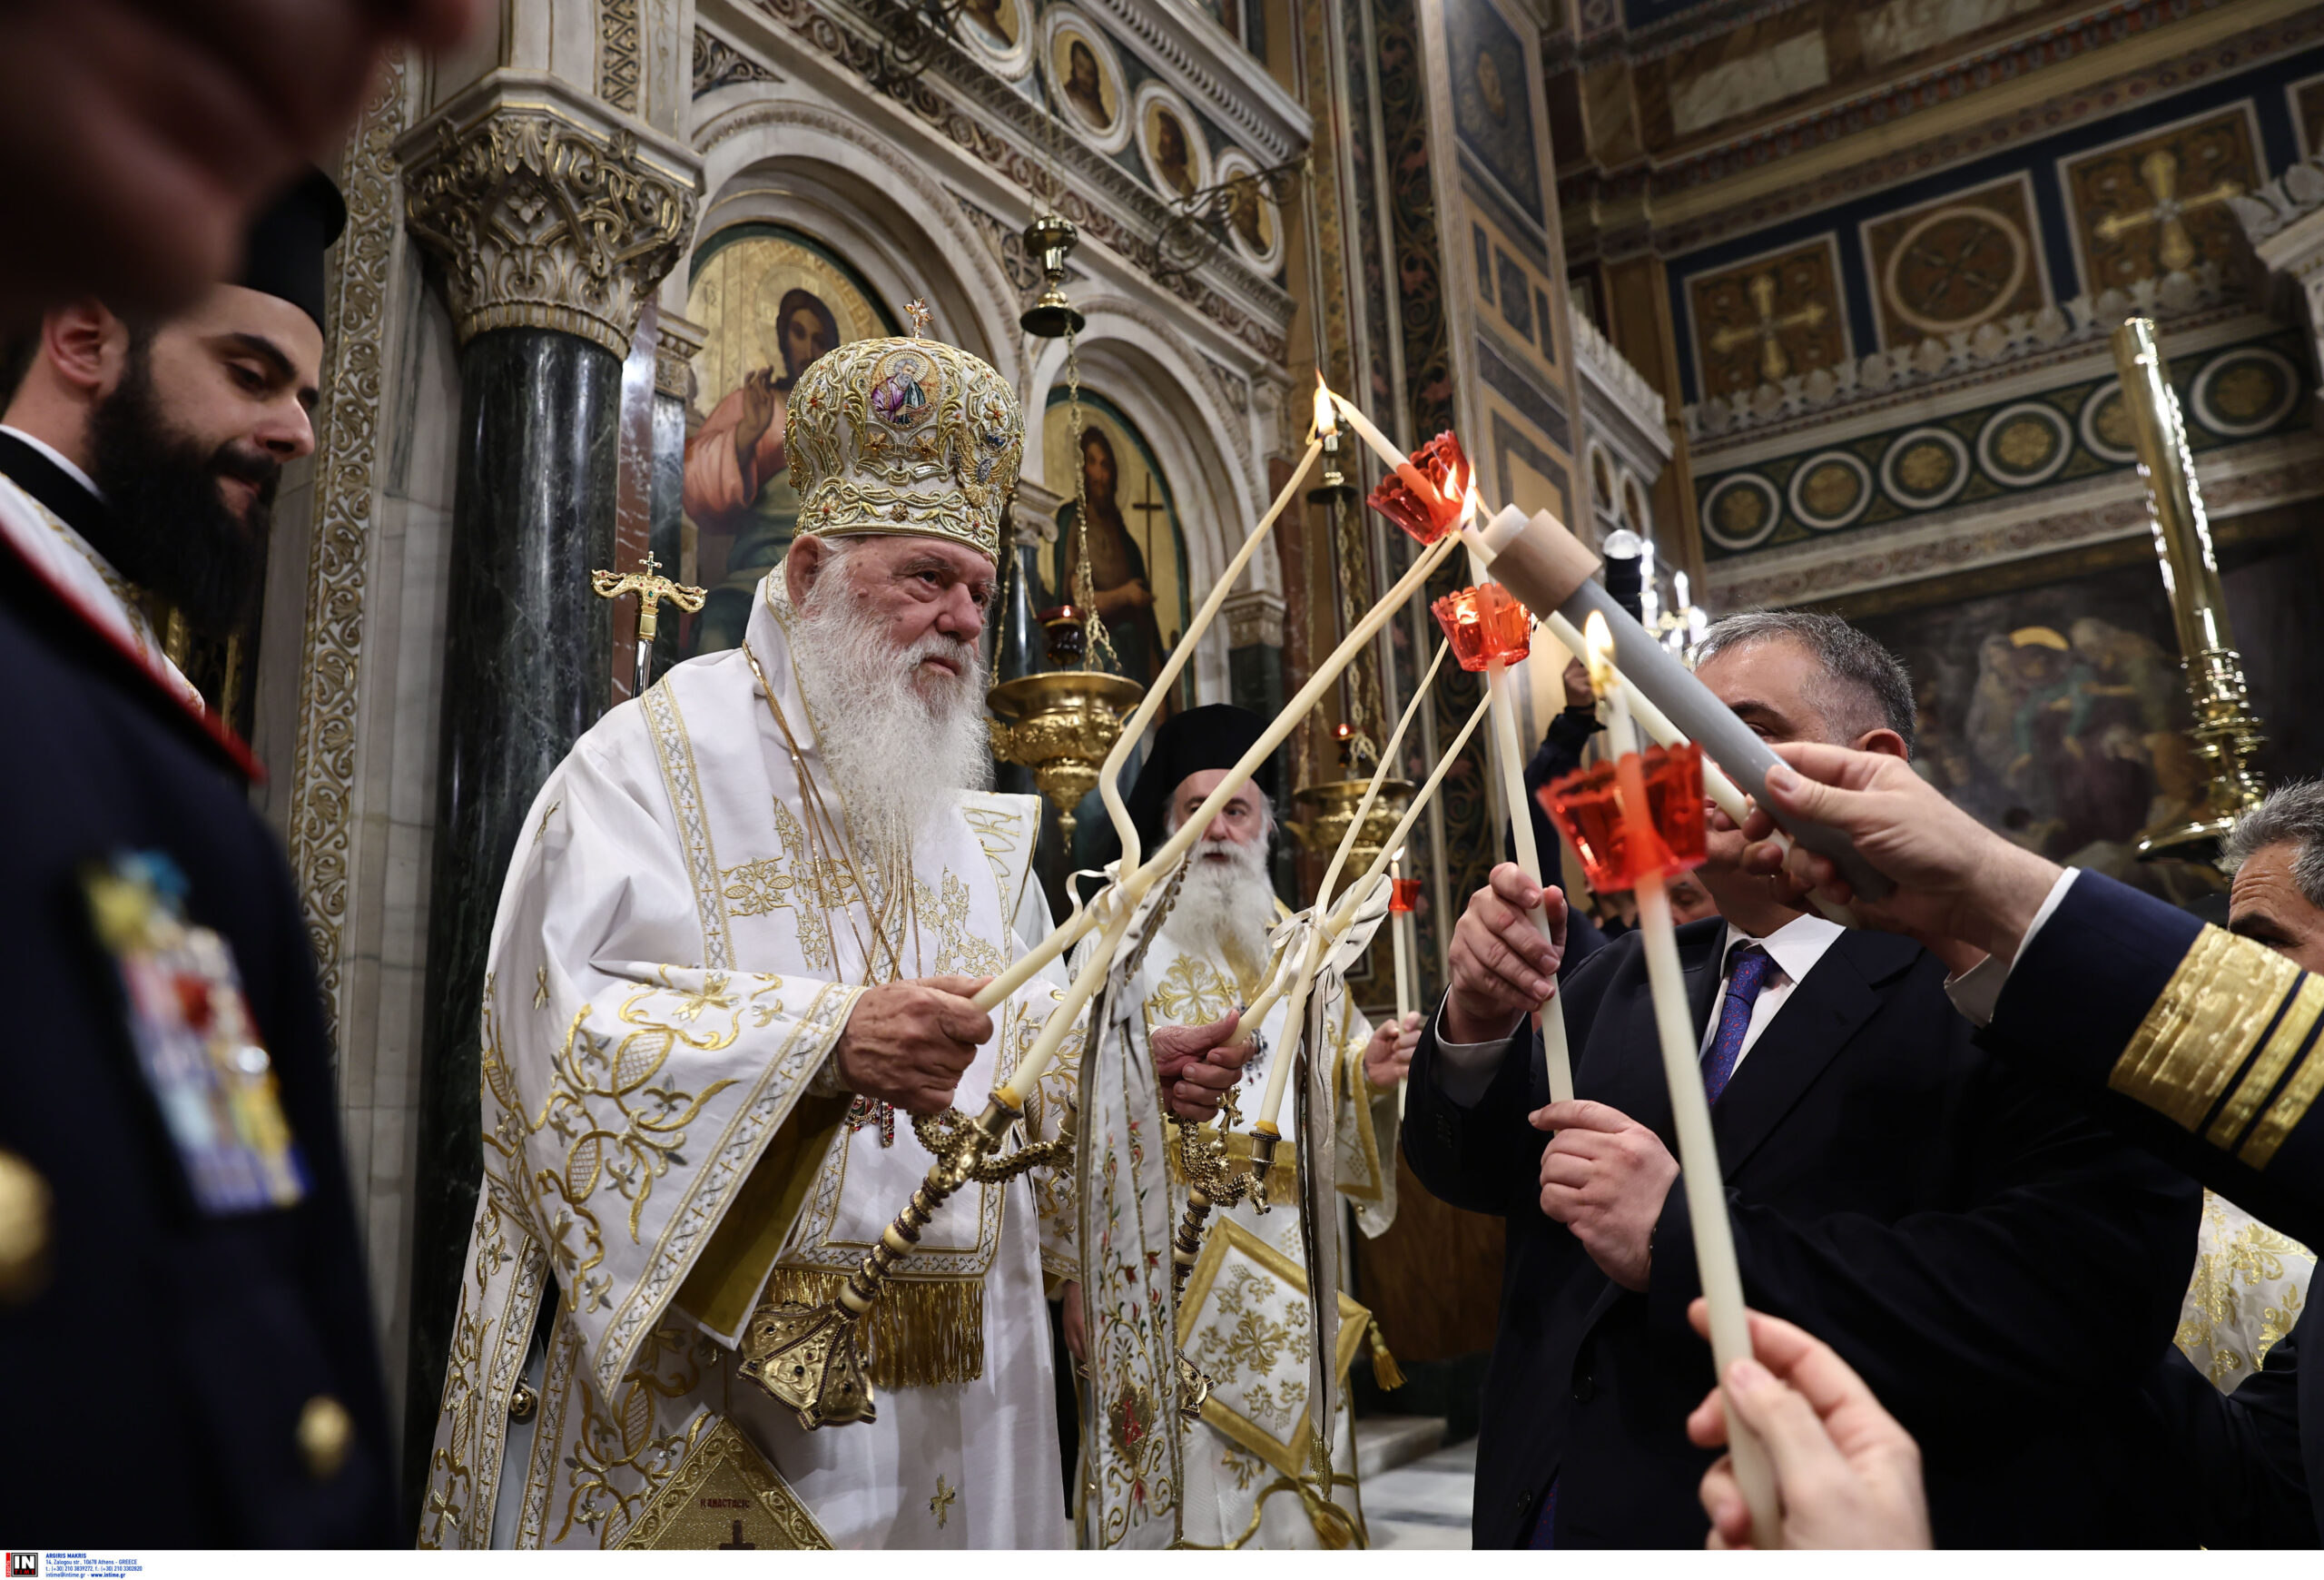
1328	417
1599	637
1470	505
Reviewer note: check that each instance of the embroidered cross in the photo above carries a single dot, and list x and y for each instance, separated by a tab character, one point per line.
737	1544
941	1506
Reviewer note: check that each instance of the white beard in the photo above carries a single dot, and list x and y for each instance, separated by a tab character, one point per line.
1225	907
903	741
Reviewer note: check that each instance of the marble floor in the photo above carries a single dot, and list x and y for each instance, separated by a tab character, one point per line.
1425	1502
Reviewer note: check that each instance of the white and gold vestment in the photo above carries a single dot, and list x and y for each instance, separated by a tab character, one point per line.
1245	1318
675	957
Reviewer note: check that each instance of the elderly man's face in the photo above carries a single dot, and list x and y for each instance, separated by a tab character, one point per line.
929	595
2265	904
1242	820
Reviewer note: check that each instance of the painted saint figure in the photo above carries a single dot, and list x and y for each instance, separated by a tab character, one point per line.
735	475
1118	572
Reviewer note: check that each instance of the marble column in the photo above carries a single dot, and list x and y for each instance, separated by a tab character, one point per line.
550	225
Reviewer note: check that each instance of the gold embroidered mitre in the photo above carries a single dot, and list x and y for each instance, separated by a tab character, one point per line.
905	435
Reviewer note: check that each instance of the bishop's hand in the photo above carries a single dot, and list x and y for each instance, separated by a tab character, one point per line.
907	1043
1197	1066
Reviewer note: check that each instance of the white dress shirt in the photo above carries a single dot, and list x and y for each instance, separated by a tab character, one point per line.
1464	1070
1976	990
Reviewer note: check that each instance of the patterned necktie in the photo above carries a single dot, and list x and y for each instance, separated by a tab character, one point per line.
1749	969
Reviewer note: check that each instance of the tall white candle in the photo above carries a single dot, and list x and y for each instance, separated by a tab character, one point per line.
1398	922
1699	1170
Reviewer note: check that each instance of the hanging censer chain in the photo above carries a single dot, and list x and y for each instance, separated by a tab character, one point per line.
1084	589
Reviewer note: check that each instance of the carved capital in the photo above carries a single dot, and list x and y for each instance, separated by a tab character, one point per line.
547	211
1254	620
680	343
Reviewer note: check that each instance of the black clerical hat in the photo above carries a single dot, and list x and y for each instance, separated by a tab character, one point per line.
283	251
1215	736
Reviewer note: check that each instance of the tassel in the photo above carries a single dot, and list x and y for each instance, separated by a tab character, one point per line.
1384	1370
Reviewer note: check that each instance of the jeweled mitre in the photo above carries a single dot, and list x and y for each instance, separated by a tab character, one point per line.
905	435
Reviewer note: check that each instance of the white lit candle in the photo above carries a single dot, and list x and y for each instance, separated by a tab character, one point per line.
1698	1170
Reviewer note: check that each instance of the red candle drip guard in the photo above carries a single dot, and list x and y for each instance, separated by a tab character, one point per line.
1485	623
1427	513
1619	848
1404	897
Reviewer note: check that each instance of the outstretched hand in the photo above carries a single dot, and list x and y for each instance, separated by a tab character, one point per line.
1846	1473
1197	1065
1956	880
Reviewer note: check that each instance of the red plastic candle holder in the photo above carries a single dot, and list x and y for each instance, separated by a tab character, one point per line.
1485	623
1619	849
1426	516
1404	897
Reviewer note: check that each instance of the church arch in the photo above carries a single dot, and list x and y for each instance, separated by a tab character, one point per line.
1137	361
810	170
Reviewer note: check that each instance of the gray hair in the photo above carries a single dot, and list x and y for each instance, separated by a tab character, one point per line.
2293	816
1865	687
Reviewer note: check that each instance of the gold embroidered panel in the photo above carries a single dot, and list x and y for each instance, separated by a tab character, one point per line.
1244	1320
2249	1287
725	1497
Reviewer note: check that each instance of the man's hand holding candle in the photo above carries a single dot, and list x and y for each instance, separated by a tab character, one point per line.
1606	1176
907	1043
1389	1055
1502	968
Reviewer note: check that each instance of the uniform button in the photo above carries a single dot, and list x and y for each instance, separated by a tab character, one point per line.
326	1433
523	1402
23	1230
1585	1387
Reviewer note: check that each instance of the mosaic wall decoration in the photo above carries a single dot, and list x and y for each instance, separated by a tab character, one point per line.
1963	260
1492	99
1762	322
2229	395
2157	203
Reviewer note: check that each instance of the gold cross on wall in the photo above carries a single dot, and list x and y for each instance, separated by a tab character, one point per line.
1774	363
2159	171
941	1506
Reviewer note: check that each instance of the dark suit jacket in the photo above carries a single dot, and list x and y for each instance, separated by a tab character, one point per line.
2077	997
2003	1274
156	1382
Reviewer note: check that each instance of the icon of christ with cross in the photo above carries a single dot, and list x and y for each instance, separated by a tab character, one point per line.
1117	565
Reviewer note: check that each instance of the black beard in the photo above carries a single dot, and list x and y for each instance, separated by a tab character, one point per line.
174	533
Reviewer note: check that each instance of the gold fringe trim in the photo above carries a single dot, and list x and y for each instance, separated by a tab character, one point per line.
921	1333
1385	1369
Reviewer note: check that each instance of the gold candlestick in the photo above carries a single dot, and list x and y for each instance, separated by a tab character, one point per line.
2226	731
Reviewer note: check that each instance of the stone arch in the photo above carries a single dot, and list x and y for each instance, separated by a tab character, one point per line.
1149	370
806	166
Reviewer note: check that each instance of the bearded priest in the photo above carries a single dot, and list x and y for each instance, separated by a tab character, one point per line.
738	936
1250	1480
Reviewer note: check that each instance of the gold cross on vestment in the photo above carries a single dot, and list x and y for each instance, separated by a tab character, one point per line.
941	1506
2159	171
1774	362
